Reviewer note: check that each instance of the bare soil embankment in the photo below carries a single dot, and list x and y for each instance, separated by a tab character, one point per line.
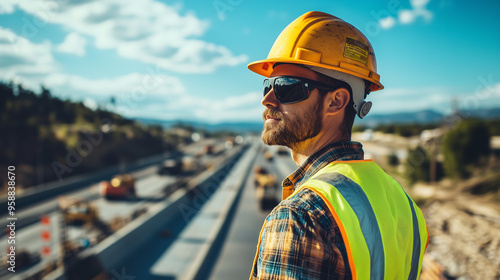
464	229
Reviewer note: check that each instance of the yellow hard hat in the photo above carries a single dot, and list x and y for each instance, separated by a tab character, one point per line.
321	40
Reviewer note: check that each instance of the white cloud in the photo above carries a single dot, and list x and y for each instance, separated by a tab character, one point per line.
20	57
7	6
485	96
139	87
419	4
408	16
146	30
235	108
73	43
32	65
411	99
387	22
90	103
244	107
155	94
426	14
134	93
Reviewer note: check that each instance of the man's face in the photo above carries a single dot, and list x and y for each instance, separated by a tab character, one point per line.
290	124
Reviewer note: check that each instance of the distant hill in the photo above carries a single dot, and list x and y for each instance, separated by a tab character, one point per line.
420	117
491	113
425	117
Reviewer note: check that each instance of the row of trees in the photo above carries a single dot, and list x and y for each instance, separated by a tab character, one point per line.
25	107
465	147
405	130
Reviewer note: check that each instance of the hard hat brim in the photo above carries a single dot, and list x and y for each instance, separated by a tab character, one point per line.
265	68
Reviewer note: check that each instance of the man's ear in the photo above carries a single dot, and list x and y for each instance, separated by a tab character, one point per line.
336	101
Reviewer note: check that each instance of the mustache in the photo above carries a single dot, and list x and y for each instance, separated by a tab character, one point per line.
273	113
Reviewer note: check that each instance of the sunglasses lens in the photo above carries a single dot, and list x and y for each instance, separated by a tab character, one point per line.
267	86
289	90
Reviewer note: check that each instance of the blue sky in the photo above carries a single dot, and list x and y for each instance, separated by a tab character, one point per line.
187	59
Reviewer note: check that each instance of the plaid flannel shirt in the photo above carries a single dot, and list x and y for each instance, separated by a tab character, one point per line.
300	239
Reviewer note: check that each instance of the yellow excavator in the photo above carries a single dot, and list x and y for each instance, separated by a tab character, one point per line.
266	188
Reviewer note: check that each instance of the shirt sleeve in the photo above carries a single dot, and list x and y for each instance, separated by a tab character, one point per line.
292	247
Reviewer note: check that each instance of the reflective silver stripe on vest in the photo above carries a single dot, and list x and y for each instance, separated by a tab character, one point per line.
415	257
357	199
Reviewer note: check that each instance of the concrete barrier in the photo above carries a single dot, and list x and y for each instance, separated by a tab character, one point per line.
215	239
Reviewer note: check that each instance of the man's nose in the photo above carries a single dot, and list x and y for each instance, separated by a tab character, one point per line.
270	100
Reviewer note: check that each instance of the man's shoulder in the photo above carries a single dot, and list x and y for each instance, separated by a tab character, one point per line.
304	202
305	209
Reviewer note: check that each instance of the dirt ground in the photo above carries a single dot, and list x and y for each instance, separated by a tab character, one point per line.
464	231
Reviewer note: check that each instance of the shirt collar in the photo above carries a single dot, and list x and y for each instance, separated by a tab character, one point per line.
348	150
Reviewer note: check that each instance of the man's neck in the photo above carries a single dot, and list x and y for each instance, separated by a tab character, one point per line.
303	150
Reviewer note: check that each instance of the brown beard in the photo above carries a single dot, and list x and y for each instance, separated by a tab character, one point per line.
290	132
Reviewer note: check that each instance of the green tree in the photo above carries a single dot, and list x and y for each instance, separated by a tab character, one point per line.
393	159
417	165
465	145
494	126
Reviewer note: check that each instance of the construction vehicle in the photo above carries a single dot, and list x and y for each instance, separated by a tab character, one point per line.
209	149
121	186
269	155
230	143
266	188
77	211
171	167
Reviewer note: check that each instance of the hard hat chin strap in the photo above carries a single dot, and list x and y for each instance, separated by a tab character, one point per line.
358	87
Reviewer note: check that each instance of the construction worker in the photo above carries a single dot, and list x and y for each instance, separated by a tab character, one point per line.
342	217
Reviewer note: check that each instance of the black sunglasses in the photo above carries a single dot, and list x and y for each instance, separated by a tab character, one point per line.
289	89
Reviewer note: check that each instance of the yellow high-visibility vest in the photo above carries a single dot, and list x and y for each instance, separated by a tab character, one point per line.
384	231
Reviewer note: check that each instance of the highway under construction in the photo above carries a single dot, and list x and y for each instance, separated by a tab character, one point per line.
200	220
